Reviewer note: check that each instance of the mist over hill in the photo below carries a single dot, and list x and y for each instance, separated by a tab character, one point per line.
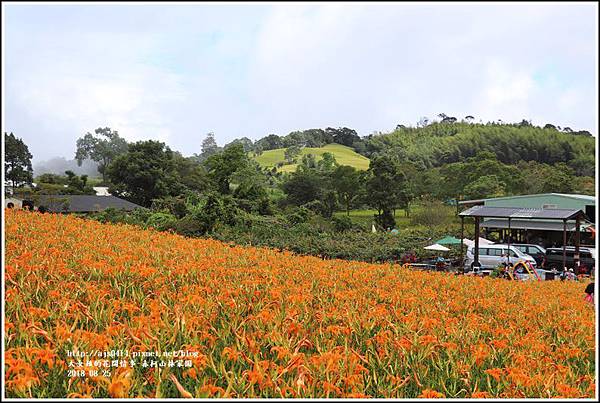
58	165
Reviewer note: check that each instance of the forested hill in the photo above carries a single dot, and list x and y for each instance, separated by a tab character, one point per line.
450	158
469	160
439	143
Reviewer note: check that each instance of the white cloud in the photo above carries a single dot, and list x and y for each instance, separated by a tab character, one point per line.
175	73
92	84
371	67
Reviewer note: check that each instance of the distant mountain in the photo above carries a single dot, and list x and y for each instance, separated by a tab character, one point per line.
58	165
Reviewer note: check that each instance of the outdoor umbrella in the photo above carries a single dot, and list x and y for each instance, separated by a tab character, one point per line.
449	240
438	247
482	241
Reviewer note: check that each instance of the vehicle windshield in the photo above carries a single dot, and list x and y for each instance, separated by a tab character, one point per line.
516	252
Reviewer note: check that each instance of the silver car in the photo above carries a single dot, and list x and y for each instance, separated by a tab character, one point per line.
492	256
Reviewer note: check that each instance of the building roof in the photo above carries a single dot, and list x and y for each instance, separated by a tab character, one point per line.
572	196
529	225
576	196
83	203
527	213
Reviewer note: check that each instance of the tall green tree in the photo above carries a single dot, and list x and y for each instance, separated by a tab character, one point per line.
481	175
17	161
347	183
327	163
147	171
303	186
546	178
222	166
384	187
485	187
209	147
103	147
343	135
245	142
191	173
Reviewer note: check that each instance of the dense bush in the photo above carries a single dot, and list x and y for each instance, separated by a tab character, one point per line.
299	215
190	226
309	238
299	230
177	206
161	221
342	223
135	217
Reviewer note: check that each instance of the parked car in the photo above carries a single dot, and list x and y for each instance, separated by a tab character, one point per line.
554	260
492	256
535	251
523	274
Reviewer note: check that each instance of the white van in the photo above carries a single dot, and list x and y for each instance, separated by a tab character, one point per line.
492	256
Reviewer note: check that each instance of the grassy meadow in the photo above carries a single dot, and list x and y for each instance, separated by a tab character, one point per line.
343	155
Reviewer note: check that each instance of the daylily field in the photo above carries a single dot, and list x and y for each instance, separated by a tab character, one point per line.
262	323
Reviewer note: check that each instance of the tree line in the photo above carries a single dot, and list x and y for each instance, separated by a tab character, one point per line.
445	160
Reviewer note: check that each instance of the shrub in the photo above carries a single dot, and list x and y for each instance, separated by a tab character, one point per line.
342	223
190	226
162	221
299	215
175	205
111	215
385	220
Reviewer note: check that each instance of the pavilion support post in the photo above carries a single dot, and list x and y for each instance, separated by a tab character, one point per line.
462	241
508	251
476	247
577	241
564	244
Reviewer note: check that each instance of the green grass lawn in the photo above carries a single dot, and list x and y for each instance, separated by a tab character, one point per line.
343	155
365	217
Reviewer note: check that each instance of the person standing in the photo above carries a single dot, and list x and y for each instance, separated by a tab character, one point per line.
589	293
571	275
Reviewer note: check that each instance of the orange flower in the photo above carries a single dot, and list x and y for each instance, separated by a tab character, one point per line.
496	373
191	373
427	340
500	344
430	394
356	395
120	384
283	325
331	388
212	390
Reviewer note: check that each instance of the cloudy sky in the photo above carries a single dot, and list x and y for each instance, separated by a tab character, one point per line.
176	72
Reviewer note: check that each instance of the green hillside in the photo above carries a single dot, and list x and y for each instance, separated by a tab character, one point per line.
343	155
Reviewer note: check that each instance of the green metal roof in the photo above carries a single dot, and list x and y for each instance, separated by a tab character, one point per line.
521	200
449	240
